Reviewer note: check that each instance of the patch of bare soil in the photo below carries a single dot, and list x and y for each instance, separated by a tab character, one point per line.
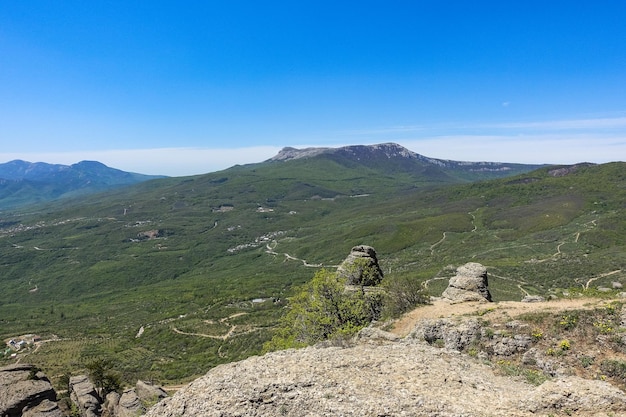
503	310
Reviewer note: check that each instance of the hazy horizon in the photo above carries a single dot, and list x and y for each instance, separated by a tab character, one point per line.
181	89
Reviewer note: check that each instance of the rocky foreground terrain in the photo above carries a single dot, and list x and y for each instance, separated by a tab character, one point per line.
383	375
461	356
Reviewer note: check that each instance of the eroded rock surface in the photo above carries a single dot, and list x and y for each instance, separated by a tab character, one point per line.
469	284
382	376
25	391
361	267
132	402
85	396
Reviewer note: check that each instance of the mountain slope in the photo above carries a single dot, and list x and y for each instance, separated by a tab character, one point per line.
204	264
23	183
393	158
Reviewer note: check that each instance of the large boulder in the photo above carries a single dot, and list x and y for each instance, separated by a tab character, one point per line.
469	284
361	267
133	401
149	393
452	334
25	391
85	396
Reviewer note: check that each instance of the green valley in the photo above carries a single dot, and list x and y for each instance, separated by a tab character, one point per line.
170	277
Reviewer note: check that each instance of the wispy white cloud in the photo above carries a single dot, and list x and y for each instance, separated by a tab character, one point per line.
530	149
581	124
600	123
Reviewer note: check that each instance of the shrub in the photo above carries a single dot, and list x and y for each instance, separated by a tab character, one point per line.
402	294
614	368
324	309
568	321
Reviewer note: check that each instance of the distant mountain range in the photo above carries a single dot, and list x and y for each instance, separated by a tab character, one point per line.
23	183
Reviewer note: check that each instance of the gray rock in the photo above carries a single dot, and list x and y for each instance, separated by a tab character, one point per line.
46	408
132	402
22	390
508	346
450	333
129	404
361	267
111	403
469	284
374	334
533	299
576	395
546	364
85	396
387	379
148	392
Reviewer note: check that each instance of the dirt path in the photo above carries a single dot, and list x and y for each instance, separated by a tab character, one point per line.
228	334
270	250
601	276
497	311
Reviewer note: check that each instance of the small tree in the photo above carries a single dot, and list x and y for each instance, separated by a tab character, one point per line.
104	379
323	309
402	294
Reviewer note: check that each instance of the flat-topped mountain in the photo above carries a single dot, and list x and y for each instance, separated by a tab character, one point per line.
387	154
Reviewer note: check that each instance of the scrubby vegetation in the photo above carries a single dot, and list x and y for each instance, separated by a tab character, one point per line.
324	309
185	258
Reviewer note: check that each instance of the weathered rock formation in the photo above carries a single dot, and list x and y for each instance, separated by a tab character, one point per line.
469	284
381	376
26	392
133	401
85	396
361	267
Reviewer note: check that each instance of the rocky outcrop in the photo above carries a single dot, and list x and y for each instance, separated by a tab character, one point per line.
361	267
469	284
125	405
533	299
24	391
133	401
149	393
448	333
382	376
85	396
46	408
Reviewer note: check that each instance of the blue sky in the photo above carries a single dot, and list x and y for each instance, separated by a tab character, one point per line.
189	87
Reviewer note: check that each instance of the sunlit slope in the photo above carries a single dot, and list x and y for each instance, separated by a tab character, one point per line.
185	257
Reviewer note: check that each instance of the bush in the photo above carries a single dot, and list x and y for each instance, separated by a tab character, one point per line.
402	294
324	309
104	379
614	368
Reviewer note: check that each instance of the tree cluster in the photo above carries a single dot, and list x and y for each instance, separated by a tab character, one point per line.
326	308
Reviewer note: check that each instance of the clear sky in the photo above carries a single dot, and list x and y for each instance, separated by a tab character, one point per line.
189	87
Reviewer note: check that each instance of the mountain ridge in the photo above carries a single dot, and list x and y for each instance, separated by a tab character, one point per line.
384	154
23	182
391	150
